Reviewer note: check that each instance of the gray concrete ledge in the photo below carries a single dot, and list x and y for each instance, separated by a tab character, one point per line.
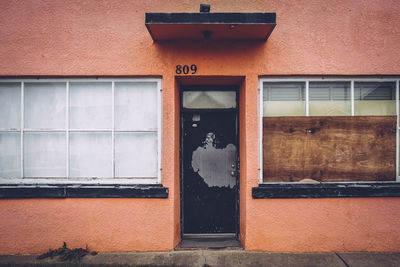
216	258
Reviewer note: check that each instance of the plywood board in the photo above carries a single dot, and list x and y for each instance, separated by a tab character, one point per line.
329	149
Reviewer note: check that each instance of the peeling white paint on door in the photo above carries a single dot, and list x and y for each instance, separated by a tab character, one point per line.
215	165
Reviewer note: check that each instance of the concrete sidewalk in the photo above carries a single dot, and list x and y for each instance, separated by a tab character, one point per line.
216	258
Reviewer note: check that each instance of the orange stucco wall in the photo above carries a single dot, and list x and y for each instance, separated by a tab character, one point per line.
109	38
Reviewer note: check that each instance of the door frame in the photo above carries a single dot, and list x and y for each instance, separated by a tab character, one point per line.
182	111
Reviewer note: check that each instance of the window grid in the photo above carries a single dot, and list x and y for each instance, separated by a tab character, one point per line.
67	131
352	97
113	129
21	130
307	98
159	127
66	128
307	81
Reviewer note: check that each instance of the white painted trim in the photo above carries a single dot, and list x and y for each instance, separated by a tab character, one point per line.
352	97
81	130
22	128
39	79
307	98
113	128
92	181
67	127
133	130
260	130
91	130
45	130
327	79
159	131
397	131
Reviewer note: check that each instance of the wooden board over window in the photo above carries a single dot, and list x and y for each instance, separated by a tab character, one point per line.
329	149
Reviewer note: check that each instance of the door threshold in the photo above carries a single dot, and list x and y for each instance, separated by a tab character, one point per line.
210	236
210	241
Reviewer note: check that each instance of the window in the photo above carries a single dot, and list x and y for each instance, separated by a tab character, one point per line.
80	131
284	99
329	130
209	99
329	99
375	98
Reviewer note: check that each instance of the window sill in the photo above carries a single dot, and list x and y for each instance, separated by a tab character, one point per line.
326	190
20	191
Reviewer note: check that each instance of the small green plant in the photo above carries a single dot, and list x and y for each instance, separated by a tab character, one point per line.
66	254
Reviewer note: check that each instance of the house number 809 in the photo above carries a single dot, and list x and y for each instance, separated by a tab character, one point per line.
185	69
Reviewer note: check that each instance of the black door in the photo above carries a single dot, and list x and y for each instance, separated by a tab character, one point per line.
209	179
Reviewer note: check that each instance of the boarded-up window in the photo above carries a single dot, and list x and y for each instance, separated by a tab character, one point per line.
329	145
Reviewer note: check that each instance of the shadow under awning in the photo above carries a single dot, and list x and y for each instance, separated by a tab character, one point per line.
213	26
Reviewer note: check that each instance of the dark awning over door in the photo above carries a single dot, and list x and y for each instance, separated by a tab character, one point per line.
215	26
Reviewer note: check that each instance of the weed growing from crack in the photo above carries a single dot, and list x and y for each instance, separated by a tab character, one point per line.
66	254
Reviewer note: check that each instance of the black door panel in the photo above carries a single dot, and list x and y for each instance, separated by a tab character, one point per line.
209	180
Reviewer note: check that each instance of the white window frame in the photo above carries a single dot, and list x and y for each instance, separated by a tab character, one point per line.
87	181
307	80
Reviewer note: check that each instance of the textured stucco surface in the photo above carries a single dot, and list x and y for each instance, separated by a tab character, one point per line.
109	38
55	37
33	226
315	225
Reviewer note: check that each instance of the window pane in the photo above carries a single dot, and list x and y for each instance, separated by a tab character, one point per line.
136	154
374	98
10	155
10	105
284	99
90	105
136	105
209	99
90	155
44	154
330	99
44	105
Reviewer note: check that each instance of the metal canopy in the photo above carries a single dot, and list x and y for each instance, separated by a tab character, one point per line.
213	26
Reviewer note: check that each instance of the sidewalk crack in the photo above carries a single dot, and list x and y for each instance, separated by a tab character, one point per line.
340	257
204	258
